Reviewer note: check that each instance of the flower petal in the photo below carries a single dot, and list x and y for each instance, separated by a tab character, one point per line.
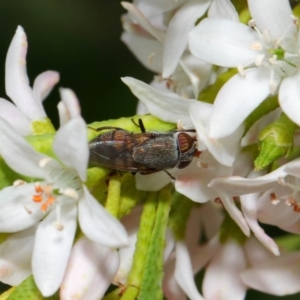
229	284
193	183
223	9
69	98
184	273
18	211
224	150
126	258
279	276
166	106
249	208
90	271
223	42
274	16
12	146
71	146
289	95
152	182
13	115
98	225
147	51
16	80
237	99
177	33
15	257
52	247
43	85
140	18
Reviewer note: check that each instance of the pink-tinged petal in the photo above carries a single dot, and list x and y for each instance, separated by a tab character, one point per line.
71	147
171	289
223	42
223	150
52	246
222	276
147	51
18	211
14	149
249	208
43	85
69	98
204	254
193	183
98	225
235	185
13	115
223	9
235	213
16	80
184	273
90	270
211	219
152	182
237	99
177	33
279	214
166	106
293	168
126	258
279	276
289	97
15	257
140	18
256	253
274	16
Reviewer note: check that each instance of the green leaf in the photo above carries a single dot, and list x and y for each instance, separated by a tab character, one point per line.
150	122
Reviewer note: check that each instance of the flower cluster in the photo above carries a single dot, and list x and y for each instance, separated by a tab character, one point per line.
227	74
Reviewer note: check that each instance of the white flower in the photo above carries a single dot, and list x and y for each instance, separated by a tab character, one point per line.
90	270
54	203
28	100
269	49
275	275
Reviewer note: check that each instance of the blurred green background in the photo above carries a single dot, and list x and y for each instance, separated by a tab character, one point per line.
81	40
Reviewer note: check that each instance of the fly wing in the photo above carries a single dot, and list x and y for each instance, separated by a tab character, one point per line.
114	150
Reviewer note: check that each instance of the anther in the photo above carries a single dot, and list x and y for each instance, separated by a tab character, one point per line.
58	225
241	70
256	46
274	199
43	162
19	182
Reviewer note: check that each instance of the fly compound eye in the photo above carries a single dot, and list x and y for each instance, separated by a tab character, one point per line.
185	142
187	149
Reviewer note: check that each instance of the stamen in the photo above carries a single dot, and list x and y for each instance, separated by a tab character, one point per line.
19	182
43	162
150	58
259	59
59	225
70	193
241	70
28	209
273	59
37	198
251	23
274	199
256	46
180	125
266	36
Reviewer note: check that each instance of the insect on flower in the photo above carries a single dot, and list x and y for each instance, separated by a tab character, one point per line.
145	152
